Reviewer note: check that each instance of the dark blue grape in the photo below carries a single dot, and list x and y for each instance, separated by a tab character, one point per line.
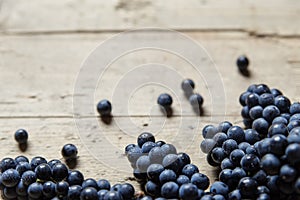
188	86
156	155
90	182
10	178
242	63
236	156
278	144
9	193
102	193
292	153
35	190
21	158
294	136
209	131
145	137
251	88
245	112
270	112
282	103
235	195
196	100
261	89
293	124
277	129
252	100
295	117
153	172
69	151
280	120
247	187
21	189
266	99
218	154
238	173
207	145
165	100
200	180
62	188
7	163
261	126
49	189
23	167
133	154
243	98
139	176
104	107
260	176
227	164
229	145
52	162
21	136
127	191
169	190
219	187
270	164
275	92
295	108
147	146
250	162
168	149
255	112
75	177
43	172
251	136
28	177
74	192
236	133
224	126
59	172
167	175
219	138
103	184
183	159
243	146
37	161
152	188
182	179
90	193
288	173
188	192
263	146
143	163
171	161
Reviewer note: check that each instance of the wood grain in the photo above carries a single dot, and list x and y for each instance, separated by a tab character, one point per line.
39	74
277	17
45	43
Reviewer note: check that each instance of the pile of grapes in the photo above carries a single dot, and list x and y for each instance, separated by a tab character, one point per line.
263	161
38	179
260	162
163	172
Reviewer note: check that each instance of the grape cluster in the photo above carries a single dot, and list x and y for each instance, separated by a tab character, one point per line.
263	161
163	172
39	179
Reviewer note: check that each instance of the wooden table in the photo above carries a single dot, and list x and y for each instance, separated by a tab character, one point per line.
44	45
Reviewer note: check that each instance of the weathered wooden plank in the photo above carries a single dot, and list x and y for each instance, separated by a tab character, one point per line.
38	74
278	17
96	159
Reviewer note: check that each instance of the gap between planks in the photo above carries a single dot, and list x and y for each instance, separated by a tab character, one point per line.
249	33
